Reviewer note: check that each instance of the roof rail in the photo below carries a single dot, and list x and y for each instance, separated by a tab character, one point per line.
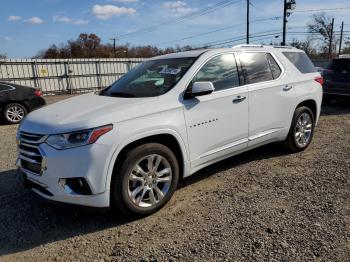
284	46
263	46
246	45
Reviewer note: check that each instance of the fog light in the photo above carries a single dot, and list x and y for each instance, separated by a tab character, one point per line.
75	186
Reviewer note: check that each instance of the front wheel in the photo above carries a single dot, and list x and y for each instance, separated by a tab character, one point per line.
14	113
146	180
301	130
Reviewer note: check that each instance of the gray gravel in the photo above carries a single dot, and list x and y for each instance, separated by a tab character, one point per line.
261	205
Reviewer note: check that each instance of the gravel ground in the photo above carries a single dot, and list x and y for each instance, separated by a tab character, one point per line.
261	205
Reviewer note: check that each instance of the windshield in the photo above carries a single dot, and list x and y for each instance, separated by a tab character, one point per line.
151	78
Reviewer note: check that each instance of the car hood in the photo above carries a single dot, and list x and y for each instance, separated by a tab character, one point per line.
84	111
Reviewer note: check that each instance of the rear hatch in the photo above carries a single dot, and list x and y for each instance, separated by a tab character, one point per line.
337	76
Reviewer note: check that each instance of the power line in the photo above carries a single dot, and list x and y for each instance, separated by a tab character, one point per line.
323	9
180	19
218	30
242	37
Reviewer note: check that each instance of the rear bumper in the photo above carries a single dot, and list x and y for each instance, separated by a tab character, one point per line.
35	103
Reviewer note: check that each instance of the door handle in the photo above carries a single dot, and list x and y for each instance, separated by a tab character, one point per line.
287	87
238	99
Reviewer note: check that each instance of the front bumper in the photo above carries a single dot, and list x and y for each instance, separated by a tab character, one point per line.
88	162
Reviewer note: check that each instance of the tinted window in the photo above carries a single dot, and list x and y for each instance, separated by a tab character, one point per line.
275	69
301	61
340	65
151	78
5	88
221	71
256	68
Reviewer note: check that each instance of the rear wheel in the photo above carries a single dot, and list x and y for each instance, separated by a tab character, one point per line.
301	130
14	113
146	180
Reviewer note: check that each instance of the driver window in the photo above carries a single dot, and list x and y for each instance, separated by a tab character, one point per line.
221	71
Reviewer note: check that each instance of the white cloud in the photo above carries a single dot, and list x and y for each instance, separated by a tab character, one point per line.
14	18
108	11
68	20
34	20
126	1
178	7
8	38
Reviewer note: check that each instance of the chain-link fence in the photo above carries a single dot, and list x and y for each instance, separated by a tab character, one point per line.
62	76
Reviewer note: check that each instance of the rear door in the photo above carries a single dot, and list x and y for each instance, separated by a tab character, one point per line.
271	101
4	91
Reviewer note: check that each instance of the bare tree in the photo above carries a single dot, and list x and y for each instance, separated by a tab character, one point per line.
321	28
306	45
3	56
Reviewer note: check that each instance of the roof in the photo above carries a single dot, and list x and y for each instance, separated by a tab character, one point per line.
196	53
192	53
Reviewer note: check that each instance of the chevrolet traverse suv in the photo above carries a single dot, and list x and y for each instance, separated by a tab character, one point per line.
128	145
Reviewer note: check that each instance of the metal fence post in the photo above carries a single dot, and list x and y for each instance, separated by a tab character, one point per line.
35	75
98	74
66	76
128	65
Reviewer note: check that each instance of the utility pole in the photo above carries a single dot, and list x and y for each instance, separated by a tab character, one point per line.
287	5
341	37
284	22
248	3
114	39
331	39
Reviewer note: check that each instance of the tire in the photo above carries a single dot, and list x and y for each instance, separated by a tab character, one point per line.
14	113
129	183
295	142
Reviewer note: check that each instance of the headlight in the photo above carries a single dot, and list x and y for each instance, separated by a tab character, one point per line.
77	138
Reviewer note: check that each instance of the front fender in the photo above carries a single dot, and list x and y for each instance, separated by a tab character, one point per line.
134	138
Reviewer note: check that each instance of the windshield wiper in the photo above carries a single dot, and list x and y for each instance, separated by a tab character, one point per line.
121	94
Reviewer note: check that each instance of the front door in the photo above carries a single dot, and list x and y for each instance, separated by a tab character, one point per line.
217	124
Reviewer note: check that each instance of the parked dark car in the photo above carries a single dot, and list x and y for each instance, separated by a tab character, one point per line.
336	79
16	101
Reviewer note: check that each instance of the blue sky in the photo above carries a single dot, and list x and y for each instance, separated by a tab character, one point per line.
27	26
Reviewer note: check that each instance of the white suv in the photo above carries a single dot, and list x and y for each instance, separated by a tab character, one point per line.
128	146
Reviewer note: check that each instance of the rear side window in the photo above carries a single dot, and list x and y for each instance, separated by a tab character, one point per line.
275	69
340	65
5	88
301	61
221	71
256	68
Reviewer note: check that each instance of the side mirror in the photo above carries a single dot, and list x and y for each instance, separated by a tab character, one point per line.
200	89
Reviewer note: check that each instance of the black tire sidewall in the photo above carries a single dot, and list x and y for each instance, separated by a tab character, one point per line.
119	187
9	121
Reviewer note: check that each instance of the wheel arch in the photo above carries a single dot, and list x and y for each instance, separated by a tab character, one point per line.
168	138
310	103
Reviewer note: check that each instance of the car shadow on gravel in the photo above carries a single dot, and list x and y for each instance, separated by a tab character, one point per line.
264	152
28	221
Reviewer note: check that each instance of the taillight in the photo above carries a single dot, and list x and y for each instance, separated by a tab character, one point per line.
319	79
38	92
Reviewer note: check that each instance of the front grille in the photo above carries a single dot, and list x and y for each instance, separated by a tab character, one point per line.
30	156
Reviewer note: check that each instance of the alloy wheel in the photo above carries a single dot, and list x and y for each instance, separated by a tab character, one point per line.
303	130
15	113
150	180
